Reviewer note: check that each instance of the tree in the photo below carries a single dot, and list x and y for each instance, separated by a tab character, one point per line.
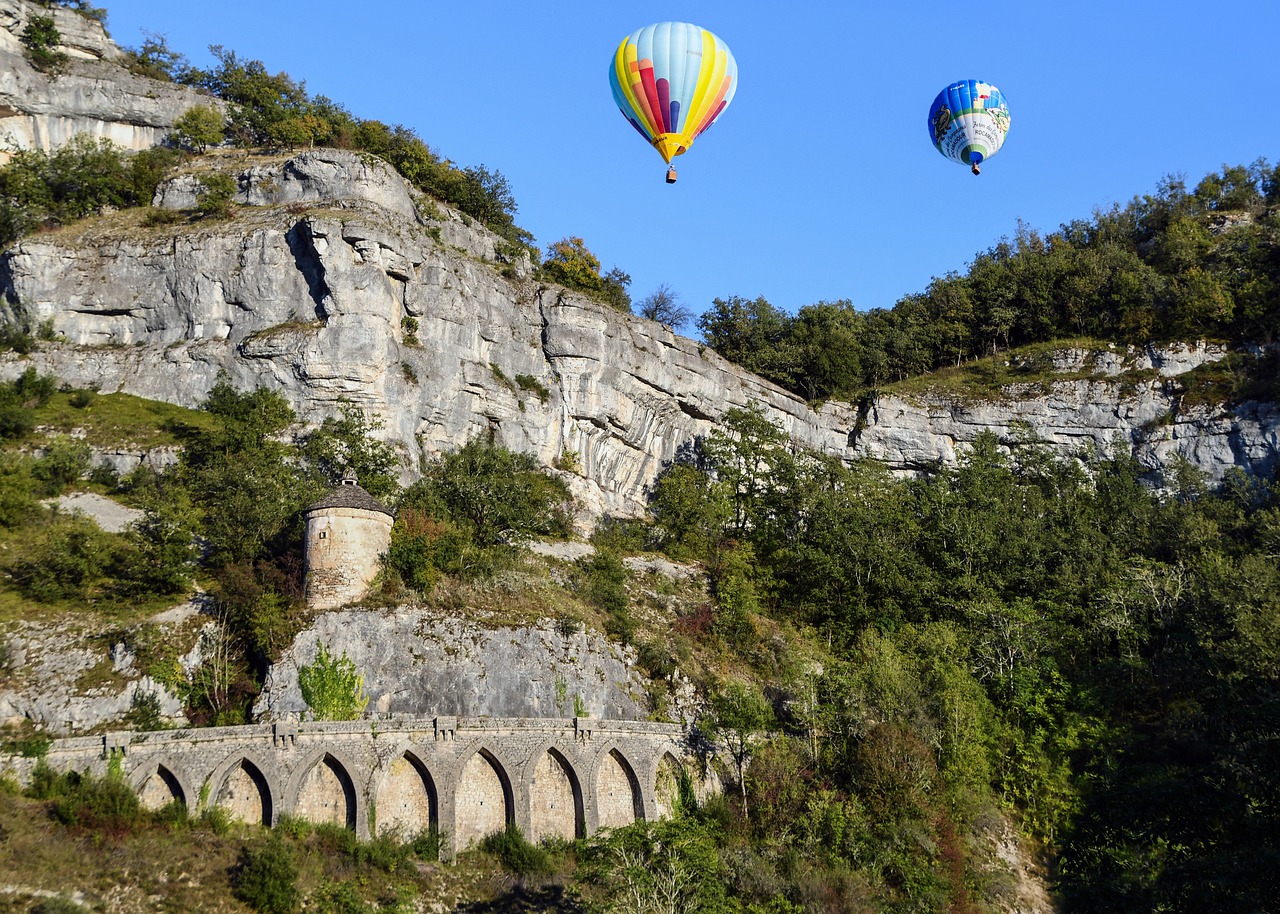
199	127
41	38
570	262
739	713
245	481
664	306
156	60
348	443
332	687
493	493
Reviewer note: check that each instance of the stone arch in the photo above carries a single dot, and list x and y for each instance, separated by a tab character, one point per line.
619	800
242	788
483	799
322	790
159	784
408	801
666	785
554	794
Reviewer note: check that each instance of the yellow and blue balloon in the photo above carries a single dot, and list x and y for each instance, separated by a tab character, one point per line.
672	80
968	122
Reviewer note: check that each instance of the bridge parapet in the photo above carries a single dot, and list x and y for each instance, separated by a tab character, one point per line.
464	776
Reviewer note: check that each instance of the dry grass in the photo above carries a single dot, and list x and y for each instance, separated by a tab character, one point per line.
159	867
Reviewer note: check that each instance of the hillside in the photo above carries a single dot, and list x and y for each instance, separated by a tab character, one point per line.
997	636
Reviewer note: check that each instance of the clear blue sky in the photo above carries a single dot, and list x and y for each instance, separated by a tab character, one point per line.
818	182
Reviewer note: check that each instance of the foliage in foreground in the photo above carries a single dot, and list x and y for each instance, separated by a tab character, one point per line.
1012	633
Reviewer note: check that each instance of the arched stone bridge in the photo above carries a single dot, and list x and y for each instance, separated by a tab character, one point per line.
466	776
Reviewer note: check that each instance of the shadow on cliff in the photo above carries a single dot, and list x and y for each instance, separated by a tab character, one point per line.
307	259
547	899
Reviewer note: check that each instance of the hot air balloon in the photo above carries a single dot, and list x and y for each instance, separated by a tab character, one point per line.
672	80
968	122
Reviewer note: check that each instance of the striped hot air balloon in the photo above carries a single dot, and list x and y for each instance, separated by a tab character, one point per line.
968	122
672	80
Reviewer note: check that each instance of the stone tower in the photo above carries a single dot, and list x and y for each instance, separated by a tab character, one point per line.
347	530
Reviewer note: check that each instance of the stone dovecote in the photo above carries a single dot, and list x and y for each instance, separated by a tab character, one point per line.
347	530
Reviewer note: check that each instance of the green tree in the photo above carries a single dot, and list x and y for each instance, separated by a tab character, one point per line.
244	480
199	127
42	39
739	714
332	687
349	442
570	263
492	493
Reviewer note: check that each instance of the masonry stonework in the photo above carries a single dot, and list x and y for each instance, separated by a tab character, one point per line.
466	776
347	532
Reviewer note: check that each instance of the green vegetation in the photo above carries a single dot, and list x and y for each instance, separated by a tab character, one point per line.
571	264
267	877
41	39
1179	264
43	189
199	127
332	687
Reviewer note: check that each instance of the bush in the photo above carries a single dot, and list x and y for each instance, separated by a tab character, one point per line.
99	804
338	898
516	853
41	38
216	194
266	877
427	844
332	687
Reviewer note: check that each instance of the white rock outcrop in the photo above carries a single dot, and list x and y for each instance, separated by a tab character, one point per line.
418	664
342	284
95	96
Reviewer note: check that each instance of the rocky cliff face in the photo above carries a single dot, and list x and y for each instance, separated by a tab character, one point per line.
335	281
95	96
419	665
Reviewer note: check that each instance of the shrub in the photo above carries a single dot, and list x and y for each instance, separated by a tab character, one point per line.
533	385
427	844
216	194
199	127
41	38
266	877
58	904
332	687
338	898
517	853
99	804
65	461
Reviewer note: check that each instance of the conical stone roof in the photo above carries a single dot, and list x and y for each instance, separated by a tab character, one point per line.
349	495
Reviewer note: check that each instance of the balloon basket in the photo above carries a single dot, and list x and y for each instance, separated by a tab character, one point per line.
671	175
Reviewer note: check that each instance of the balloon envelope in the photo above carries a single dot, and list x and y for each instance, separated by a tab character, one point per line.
968	121
671	80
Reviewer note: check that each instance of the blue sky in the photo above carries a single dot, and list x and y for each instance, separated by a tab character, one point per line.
818	183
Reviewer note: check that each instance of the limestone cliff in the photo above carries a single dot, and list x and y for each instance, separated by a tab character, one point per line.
336	280
95	96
